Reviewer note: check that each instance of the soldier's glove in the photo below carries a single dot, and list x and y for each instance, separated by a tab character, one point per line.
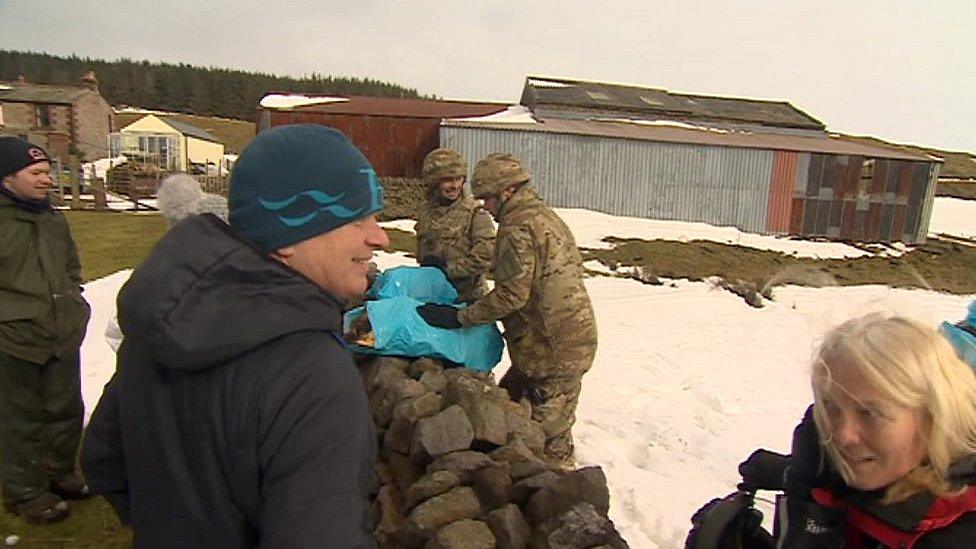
436	262
439	316
433	261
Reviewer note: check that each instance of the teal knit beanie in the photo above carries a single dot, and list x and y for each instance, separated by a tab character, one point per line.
294	182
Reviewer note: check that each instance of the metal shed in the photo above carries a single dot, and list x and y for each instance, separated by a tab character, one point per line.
394	134
804	185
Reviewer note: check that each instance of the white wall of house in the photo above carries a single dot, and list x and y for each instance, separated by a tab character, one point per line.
200	151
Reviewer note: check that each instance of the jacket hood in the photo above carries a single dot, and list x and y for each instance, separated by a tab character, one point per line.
963	472
205	295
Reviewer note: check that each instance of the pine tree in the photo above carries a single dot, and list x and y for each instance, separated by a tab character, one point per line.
182	87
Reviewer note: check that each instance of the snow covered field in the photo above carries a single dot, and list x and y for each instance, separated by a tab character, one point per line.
688	380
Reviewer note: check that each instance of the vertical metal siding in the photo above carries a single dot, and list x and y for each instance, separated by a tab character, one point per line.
781	192
923	223
395	146
762	191
716	185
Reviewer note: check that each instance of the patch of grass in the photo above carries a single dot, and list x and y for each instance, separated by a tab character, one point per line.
956	190
939	265
111	241
92	524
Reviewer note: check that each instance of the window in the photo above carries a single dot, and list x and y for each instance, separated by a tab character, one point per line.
599	96
651	101
42	115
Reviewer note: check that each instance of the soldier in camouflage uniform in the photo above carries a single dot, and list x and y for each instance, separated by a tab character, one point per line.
453	231
540	298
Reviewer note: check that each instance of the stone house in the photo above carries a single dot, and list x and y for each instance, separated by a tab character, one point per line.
63	119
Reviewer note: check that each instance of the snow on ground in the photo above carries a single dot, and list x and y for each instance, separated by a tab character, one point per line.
687	381
97	358
592	227
954	217
951	216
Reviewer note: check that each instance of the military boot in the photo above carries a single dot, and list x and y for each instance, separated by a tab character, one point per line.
46	508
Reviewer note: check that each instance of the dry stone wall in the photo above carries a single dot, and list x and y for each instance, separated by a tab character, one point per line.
402	198
460	466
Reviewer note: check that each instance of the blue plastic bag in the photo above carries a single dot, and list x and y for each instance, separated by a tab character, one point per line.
425	284
399	329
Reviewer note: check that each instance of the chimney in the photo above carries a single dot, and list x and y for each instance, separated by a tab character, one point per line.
89	81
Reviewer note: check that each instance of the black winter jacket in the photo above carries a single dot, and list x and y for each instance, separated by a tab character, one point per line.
833	515
235	417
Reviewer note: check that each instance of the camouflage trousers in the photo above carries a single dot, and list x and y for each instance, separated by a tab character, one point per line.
41	413
553	399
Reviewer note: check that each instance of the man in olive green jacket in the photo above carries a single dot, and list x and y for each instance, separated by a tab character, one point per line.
453	231
42	323
540	298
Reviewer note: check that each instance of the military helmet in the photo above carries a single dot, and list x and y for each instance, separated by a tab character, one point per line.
441	164
497	172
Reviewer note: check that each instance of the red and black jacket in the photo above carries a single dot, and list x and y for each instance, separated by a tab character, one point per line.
921	521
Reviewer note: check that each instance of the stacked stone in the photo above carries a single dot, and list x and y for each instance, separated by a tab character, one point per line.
402	197
460	465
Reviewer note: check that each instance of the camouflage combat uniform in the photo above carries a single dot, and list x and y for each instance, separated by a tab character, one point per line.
462	234
549	323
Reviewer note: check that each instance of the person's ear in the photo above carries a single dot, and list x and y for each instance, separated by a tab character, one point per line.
283	254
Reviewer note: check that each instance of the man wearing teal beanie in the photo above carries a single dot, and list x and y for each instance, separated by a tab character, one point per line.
236	417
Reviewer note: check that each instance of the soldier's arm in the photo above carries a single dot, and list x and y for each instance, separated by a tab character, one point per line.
478	260
420	228
514	269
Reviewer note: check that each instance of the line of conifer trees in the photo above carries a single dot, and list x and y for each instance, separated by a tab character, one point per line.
206	91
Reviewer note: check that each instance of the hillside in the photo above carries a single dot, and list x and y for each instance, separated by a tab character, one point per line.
183	88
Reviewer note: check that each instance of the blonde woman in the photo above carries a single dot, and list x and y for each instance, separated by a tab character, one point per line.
895	417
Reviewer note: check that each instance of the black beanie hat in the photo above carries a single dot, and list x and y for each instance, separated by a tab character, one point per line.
16	154
294	182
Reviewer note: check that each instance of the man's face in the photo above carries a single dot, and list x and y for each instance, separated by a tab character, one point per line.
30	183
449	188
493	203
338	260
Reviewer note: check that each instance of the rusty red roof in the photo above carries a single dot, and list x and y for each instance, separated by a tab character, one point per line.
397	107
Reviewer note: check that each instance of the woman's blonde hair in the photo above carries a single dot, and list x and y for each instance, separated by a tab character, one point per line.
917	368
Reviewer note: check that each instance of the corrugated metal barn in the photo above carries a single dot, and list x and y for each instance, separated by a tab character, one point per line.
394	134
805	185
762	166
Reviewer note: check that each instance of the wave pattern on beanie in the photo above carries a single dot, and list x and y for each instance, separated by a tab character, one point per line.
294	182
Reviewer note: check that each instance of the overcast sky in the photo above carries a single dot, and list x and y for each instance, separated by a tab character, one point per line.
903	71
